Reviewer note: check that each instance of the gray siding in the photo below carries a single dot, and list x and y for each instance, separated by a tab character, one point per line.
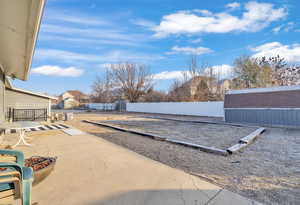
272	117
22	100
2	97
19	100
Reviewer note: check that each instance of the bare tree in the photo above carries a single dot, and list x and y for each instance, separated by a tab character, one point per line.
214	89
133	80
252	72
155	96
265	72
193	66
103	90
271	68
179	92
282	73
199	83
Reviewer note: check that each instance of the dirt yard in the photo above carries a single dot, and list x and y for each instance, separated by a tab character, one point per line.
218	136
267	171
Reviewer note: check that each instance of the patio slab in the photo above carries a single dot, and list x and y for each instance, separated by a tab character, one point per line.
91	170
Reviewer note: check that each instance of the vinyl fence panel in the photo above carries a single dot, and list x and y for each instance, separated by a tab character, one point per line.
210	109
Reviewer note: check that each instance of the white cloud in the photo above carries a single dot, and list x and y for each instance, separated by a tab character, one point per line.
143	22
105	65
168	75
289	26
80	41
74	18
198	40
223	71
109	56
110	36
276	29
255	17
284	27
291	53
203	12
79	20
65	56
90	32
189	50
233	5
58	71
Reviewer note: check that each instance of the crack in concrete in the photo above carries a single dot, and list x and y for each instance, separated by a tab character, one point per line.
212	198
181	196
195	185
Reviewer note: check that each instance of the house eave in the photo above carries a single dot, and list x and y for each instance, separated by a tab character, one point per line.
19	35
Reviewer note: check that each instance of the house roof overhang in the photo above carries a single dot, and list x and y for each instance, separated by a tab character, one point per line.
19	26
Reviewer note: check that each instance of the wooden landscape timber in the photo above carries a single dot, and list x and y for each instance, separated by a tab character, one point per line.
251	137
153	136
200	147
243	142
157	137
201	121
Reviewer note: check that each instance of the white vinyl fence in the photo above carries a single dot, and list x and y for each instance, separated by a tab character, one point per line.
101	106
210	109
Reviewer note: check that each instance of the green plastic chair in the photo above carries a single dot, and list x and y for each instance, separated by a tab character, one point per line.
16	180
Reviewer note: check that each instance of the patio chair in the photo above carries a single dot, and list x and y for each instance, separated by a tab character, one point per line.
16	179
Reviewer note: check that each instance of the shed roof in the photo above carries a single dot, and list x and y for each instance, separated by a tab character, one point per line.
31	93
19	26
265	90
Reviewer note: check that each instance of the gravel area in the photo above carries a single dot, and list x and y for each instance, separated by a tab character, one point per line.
267	171
218	136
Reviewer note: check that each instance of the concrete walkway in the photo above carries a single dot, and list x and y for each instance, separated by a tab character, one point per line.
92	171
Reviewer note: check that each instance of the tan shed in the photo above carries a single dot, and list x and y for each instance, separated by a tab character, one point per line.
26	105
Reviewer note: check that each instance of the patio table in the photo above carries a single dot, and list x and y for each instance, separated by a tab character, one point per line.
21	126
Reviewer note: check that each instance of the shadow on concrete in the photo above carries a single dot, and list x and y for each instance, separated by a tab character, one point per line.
265	171
175	197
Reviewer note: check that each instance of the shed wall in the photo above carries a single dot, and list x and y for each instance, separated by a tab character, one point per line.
276	108
271	117
20	100
280	99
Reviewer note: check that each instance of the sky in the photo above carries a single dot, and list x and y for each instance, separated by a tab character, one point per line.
79	39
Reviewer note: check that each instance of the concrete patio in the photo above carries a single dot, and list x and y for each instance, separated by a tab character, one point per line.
92	171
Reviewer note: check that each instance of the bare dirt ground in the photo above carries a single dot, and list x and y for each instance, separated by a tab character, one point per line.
218	136
267	171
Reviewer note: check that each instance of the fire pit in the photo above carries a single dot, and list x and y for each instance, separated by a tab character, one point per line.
42	167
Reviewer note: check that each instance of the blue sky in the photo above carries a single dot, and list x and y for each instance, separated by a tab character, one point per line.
78	39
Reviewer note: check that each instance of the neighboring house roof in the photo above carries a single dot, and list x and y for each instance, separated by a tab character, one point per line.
78	95
198	79
19	26
194	82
